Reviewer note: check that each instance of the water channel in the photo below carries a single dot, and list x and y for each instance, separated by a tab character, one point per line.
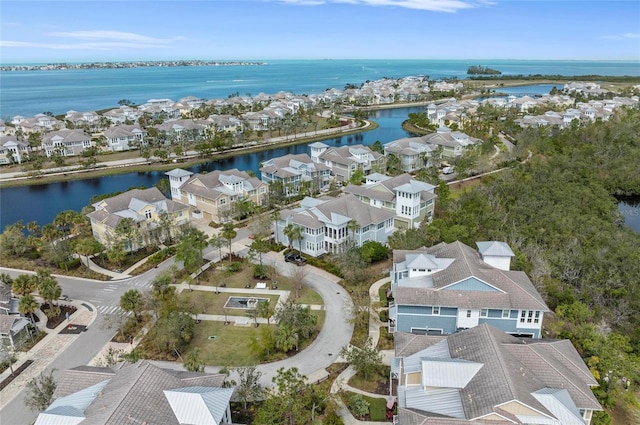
42	203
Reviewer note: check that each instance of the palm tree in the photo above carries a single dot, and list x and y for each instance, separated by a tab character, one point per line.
294	232
28	305
352	226
229	234
24	285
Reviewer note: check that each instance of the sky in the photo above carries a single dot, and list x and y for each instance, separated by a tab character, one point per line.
128	30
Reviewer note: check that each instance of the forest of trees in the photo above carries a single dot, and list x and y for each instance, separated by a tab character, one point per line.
558	212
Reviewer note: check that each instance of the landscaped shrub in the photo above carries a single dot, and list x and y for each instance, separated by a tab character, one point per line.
358	406
325	265
260	272
372	251
234	267
382	294
384	315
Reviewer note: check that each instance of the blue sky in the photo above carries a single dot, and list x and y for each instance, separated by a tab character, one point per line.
85	30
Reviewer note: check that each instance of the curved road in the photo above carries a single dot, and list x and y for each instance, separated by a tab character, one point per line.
105	297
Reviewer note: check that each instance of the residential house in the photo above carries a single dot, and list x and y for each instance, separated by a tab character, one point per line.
412	152
449	287
13	150
294	171
344	161
66	142
156	218
330	224
125	137
14	330
218	195
8	303
484	376
453	143
40	123
183	130
138	393
90	118
412	201
227	123
122	115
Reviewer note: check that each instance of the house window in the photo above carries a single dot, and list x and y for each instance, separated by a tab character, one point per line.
223	201
147	214
435	310
529	316
505	314
468	313
484	312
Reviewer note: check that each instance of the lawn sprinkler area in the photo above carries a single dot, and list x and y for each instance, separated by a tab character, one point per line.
244	303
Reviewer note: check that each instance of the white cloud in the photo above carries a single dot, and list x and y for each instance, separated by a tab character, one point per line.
431	5
625	36
96	40
79	46
109	35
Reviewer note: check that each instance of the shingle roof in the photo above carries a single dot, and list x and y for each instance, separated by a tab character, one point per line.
515	290
512	370
134	392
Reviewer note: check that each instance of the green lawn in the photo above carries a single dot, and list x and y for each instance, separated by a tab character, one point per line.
229	348
212	303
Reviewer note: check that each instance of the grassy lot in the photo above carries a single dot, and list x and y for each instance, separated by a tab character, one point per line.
377	383
217	276
214	303
230	347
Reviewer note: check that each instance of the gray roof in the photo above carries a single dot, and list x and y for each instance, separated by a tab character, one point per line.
528	371
211	185
178	172
112	210
514	290
135	392
495	249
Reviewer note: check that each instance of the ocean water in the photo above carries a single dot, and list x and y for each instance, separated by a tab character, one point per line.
30	92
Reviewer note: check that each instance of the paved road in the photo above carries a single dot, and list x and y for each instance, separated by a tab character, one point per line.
104	296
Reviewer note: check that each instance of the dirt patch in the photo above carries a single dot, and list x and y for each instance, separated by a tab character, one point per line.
15	374
54	321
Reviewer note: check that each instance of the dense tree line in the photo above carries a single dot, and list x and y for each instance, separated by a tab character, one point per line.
558	212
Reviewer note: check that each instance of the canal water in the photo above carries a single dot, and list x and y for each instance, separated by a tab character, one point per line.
42	203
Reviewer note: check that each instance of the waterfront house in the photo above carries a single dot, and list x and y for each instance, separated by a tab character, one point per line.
122	115
453	143
155	218
412	201
138	393
449	287
412	152
330	224
227	123
218	195
40	123
295	171
484	376
344	161
125	137
182	131
90	118
13	150
66	142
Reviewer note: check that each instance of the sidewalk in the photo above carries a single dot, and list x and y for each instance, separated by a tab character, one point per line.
44	352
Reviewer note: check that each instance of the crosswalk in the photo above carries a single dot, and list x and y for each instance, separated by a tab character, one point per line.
110	309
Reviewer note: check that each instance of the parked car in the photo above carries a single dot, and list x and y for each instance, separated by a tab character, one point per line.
296	259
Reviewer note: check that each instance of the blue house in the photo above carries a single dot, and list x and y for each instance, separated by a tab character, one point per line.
451	287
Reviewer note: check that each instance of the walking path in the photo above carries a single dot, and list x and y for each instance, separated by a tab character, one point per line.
44	351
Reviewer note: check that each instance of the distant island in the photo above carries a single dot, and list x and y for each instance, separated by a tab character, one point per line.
137	64
483	70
